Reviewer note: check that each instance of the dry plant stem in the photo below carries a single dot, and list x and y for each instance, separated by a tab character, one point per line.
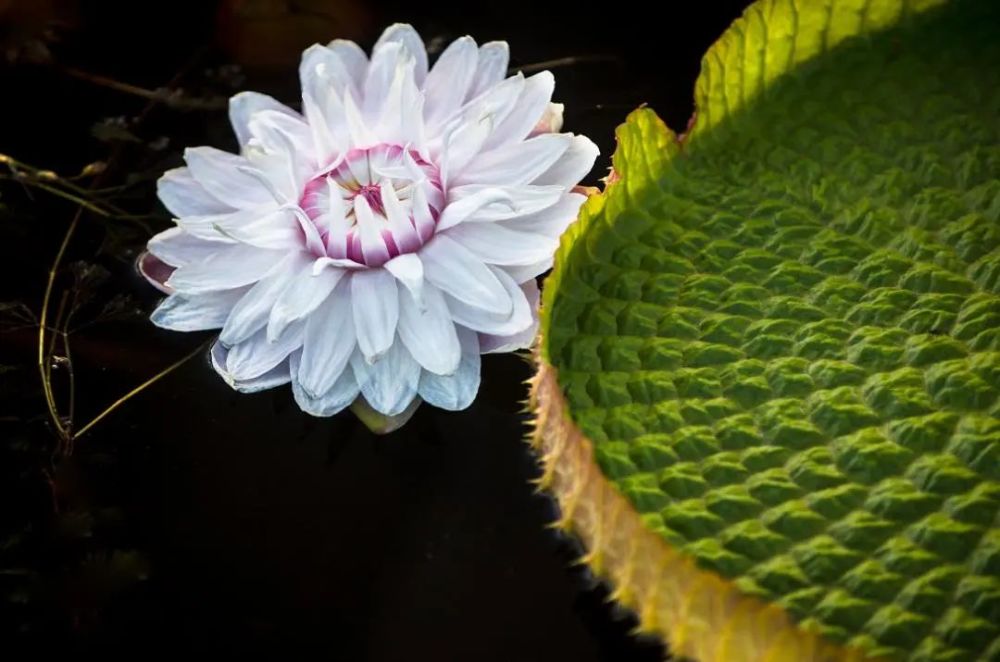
44	365
71	377
63	187
59	330
18	168
86	204
103	208
139	389
59	333
55	330
65	431
567	61
157	96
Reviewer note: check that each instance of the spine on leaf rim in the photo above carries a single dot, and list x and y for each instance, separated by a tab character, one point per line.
699	614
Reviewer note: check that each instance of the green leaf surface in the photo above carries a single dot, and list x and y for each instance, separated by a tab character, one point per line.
782	331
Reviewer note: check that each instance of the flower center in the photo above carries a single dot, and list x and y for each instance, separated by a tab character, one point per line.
373	194
375	204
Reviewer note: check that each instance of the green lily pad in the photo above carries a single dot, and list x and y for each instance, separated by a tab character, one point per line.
778	339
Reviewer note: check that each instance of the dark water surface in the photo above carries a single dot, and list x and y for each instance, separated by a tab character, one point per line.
198	519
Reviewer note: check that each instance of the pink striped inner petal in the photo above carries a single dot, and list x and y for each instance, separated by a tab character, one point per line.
400	197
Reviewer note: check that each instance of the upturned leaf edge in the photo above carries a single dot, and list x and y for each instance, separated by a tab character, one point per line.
698	613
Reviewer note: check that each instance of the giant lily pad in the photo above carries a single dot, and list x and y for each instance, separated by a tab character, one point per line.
769	373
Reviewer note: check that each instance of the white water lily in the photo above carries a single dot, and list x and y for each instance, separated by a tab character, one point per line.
381	240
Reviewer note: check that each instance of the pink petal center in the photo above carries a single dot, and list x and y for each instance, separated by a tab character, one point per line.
375	174
373	194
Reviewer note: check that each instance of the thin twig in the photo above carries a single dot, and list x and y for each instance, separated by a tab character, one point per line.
56	326
19	167
139	389
90	206
71	377
28	175
166	96
43	368
567	61
44	361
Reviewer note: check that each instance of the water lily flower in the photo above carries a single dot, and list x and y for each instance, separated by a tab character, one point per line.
378	242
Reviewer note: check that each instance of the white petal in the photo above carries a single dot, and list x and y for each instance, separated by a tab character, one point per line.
460	274
495	104
422	217
244	105
411	112
353	58
490	344
282	171
283	133
339	396
225	176
456	391
524	273
182	195
553	220
449	80
477	319
403	168
408	270
390	384
491	68
279	375
334	222
275	172
528	110
255	356
572	166
360	169
501	99
494	244
412	43
328	344
464	142
325	78
196	313
326	64
176	247
378	79
276	376
523	200
274	229
207	227
515	164
404	235
373	247
301	296
252	312
359	135
462	208
393	105
551	120
428	332
329	262
233	266
313	242
375	306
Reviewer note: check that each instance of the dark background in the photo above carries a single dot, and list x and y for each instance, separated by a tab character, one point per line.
197	519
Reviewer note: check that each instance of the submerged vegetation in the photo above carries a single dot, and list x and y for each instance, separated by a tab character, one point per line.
93	222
